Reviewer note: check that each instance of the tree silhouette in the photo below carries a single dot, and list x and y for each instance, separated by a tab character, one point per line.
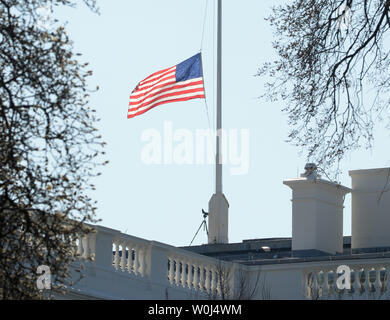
332	72
49	147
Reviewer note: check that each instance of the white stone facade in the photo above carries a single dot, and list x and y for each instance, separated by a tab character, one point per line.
126	267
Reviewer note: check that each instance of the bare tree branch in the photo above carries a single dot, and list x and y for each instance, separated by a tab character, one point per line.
334	78
49	148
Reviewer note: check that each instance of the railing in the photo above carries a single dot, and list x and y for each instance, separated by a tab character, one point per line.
130	255
367	281
157	262
112	249
199	273
162	266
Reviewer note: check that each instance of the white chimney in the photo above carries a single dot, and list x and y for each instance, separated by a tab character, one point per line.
370	208
317	213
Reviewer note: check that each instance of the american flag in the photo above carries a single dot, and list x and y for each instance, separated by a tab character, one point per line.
179	83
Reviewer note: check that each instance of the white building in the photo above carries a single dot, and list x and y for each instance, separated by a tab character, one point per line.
301	267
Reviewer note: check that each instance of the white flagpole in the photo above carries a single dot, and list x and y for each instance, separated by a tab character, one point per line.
218	175
218	205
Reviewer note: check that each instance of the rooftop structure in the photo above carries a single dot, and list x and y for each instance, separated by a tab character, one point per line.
305	266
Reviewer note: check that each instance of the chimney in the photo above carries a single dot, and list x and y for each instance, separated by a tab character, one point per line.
317	214
370	208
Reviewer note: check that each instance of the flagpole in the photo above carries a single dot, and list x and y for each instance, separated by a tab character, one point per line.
218	175
218	205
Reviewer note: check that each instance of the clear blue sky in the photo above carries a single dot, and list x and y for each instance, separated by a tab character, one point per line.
130	40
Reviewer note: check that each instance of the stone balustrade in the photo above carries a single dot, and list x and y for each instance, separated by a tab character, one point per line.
156	262
368	281
199	273
123	266
130	255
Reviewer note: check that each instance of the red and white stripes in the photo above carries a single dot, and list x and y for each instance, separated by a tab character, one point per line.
161	88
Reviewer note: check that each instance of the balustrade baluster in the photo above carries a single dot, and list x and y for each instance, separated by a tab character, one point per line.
207	279
377	283
307	284
189	275
358	281
177	272
171	271
80	247
202	285
85	248
382	280
352	290
123	257
325	284
195	280
141	261
130	259
387	282
371	283
333	284
116	257
136	259
366	284
183	273
214	281
316	289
